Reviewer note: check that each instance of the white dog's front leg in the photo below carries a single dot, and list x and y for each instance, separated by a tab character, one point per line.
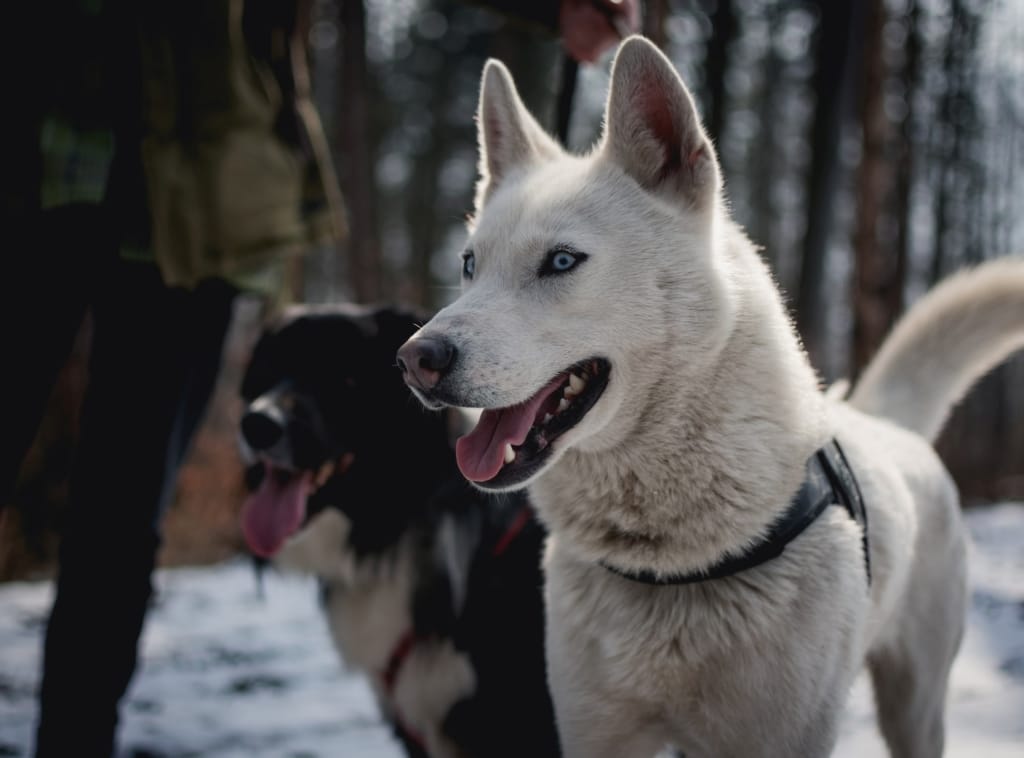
589	728
593	722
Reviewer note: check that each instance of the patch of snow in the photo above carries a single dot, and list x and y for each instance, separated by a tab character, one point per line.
985	707
228	673
225	672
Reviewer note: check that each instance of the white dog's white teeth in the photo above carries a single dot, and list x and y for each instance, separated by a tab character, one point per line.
547	418
562	404
510	454
576	384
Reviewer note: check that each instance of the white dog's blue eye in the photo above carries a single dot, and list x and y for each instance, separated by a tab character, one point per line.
468	265
563	261
560	260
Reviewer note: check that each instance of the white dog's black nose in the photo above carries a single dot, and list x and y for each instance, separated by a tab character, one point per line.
424	360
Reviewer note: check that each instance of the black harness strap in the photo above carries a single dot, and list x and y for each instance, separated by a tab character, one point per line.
830	481
846	489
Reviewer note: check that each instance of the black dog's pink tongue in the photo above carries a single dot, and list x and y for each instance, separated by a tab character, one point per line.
481	453
275	511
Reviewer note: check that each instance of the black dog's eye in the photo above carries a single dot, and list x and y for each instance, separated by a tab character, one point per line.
560	260
468	264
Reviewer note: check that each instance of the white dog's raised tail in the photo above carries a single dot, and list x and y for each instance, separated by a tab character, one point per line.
947	341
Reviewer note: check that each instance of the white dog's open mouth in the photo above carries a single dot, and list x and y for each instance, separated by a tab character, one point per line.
508	445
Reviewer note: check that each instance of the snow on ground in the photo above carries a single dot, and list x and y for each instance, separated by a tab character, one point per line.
230	674
225	672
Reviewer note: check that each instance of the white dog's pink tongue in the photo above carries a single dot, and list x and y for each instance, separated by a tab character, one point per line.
481	453
275	511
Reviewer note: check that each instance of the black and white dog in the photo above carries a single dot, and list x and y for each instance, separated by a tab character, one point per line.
431	588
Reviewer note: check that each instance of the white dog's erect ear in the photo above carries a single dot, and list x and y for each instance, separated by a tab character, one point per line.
652	129
509	136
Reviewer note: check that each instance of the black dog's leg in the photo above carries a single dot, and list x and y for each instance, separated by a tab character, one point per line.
464	726
413	747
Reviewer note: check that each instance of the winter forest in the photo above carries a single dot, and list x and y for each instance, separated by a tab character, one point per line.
869	147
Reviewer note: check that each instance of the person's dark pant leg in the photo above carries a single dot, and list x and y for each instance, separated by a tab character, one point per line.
48	283
155	358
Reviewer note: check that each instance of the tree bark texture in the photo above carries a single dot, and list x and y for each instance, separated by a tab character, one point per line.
358	155
873	267
832	87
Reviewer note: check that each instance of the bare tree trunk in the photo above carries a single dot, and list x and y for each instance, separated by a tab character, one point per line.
832	90
872	268
765	164
358	153
655	13
971	86
950	146
723	31
905	164
423	212
1009	202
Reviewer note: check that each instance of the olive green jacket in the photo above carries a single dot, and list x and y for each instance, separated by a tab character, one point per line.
238	177
200	135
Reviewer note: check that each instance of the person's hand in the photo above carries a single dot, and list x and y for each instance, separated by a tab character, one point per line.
589	27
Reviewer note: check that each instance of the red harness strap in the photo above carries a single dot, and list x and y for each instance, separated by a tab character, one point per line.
396	659
407	641
389	676
506	539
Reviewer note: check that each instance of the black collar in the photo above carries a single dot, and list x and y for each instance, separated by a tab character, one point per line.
830	481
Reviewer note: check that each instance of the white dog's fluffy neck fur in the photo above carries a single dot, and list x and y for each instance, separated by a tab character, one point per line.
710	463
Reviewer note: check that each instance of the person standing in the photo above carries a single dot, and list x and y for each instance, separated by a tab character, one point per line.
179	162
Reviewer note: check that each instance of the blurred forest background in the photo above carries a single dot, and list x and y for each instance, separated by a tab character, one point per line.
871	147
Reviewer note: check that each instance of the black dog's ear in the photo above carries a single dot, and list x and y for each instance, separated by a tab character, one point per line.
256	377
396	324
265	360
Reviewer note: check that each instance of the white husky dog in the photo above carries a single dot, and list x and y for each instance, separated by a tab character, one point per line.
638	371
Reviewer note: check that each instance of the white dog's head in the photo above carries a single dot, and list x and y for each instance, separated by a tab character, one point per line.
581	276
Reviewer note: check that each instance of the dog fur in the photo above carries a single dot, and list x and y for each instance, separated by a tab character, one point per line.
400	543
699	441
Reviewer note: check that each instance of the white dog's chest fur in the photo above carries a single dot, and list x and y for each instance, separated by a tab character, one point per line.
660	643
694	663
